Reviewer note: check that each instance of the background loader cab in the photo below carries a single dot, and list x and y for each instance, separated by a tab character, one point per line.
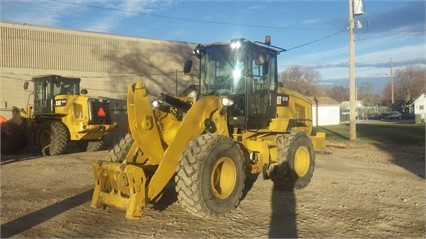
46	88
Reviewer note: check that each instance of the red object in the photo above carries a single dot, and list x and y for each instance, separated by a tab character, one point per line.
2	120
101	112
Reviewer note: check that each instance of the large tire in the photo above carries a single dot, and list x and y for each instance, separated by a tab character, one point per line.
296	162
90	145
210	176
119	151
52	136
12	138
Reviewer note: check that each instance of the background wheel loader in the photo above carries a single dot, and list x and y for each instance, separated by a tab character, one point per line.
241	123
59	114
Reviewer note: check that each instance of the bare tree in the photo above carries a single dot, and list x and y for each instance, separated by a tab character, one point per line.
409	83
339	93
302	80
366	95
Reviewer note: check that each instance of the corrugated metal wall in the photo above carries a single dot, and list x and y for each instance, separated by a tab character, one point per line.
106	63
34	47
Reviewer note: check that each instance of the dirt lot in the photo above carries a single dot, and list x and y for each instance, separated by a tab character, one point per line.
358	191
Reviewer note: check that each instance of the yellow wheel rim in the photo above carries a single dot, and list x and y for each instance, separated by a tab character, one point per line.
223	178
302	161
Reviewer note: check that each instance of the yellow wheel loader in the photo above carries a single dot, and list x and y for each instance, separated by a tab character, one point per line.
241	122
60	113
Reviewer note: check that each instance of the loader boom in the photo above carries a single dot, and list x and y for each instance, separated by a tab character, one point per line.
148	151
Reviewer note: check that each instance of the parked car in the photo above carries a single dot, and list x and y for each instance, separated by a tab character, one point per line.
395	115
383	116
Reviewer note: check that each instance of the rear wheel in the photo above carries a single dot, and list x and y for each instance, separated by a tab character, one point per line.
90	145
210	176
296	162
53	137
12	138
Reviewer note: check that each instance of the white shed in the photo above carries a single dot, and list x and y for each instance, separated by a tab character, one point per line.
420	108
325	111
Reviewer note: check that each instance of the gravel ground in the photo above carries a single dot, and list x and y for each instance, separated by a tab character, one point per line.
357	191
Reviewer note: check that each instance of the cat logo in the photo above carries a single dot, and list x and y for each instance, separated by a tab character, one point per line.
59	103
282	100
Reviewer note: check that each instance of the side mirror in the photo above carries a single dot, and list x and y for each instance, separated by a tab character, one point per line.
83	92
187	67
26	83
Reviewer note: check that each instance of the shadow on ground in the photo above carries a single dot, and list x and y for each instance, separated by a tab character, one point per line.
33	219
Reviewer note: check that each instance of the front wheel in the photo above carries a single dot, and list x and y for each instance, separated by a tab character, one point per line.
118	153
296	162
210	176
53	137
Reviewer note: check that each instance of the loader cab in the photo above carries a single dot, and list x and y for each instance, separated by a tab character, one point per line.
47	87
245	72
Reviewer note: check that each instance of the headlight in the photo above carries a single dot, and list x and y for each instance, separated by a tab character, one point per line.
227	102
235	44
155	103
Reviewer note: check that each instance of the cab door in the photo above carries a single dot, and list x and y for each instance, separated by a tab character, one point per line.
43	96
261	97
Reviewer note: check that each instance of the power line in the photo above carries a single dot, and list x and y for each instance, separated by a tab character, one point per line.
317	40
189	19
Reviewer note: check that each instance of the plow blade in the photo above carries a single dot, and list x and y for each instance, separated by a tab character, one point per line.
120	186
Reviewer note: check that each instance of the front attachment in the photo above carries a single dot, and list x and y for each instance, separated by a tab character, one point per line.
121	186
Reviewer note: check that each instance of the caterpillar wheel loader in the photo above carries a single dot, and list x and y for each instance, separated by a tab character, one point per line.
242	122
59	114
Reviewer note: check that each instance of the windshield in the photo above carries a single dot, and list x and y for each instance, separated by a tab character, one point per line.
65	86
227	70
224	71
46	88
244	72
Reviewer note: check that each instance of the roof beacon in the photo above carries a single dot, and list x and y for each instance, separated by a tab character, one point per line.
268	40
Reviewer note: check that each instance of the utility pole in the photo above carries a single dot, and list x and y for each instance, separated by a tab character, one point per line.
352	102
391	78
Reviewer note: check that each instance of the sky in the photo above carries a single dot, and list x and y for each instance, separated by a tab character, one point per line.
314	33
